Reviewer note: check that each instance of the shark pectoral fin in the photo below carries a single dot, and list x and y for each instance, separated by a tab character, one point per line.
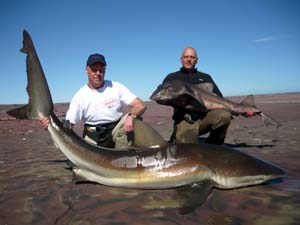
79	180
269	120
195	104
193	196
77	177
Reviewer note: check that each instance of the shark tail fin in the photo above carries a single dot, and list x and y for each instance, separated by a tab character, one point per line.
269	120
249	100
19	113
40	101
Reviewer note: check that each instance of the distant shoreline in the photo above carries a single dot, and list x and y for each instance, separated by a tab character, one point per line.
288	97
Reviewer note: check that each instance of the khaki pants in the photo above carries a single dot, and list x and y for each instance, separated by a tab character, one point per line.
120	138
216	123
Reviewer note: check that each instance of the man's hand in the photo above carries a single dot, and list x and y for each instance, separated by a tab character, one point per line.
44	122
249	114
128	124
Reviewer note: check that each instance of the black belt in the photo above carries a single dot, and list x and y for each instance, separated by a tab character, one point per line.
103	126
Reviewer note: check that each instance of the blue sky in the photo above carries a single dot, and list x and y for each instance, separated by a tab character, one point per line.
248	46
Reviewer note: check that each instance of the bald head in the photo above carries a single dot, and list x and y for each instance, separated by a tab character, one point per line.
189	51
189	58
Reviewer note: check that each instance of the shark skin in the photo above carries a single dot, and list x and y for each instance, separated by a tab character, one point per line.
163	167
199	99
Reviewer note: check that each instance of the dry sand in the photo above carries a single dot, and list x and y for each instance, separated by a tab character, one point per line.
36	189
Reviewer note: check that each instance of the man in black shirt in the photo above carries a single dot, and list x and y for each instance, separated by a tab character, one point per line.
188	126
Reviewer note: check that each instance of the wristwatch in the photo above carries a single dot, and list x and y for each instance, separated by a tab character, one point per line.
132	115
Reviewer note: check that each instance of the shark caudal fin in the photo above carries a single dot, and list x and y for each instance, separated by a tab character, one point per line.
40	101
268	120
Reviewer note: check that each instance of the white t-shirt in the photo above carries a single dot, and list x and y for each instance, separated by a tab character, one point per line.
98	106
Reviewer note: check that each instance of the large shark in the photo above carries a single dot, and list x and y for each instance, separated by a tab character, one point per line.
163	167
199	99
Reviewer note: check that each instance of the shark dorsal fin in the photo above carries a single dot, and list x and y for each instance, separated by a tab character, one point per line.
249	100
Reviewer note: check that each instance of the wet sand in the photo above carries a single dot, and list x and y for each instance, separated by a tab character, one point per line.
35	187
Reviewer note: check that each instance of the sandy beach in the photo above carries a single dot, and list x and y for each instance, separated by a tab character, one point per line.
35	187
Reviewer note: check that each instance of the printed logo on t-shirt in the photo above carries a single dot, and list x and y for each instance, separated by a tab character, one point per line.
109	103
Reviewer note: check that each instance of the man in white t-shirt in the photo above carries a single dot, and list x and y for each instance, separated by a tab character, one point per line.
99	105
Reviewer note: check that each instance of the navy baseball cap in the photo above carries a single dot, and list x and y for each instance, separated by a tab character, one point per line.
94	58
